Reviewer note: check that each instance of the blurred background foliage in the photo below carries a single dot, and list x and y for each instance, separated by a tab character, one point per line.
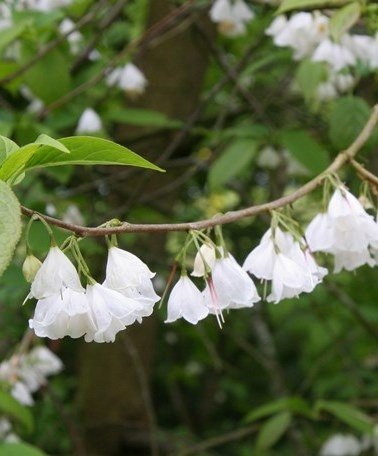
277	379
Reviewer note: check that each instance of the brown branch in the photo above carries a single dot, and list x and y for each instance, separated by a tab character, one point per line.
229	217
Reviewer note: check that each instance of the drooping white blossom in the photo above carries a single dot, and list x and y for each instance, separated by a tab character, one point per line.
346	231
63	314
289	266
56	273
89	122
128	78
231	16
186	301
230	286
341	445
110	312
337	55
204	260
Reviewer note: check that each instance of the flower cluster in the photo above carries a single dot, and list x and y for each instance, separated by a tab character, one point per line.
228	286
231	16
308	34
287	263
89	122
346	231
99	311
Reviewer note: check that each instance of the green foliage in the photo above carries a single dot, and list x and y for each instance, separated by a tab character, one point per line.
142	117
308	76
235	158
348	116
289	5
11	408
10	225
343	19
83	150
18	449
306	150
272	430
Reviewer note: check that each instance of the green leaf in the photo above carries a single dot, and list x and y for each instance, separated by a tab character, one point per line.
309	76
348	117
10	407
48	141
84	150
10	225
8	35
348	414
49	79
343	19
18	449
234	159
273	430
7	147
293	404
289	5
142	117
306	150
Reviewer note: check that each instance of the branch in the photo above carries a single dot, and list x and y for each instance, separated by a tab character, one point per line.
125	227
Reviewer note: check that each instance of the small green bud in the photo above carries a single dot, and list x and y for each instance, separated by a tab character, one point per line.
30	267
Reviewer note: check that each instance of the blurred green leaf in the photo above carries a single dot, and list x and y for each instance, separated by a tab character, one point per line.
11	408
343	19
348	414
49	79
10	225
348	116
272	430
309	76
234	158
289	5
292	404
305	149
19	449
48	141
142	117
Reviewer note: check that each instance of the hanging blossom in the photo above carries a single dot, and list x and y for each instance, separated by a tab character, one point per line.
128	78
27	373
99	312
345	230
280	259
231	16
341	445
89	122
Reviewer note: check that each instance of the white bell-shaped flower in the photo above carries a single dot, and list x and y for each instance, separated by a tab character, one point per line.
56	273
186	301
230	286
89	122
129	78
336	55
62	314
341	445
124	269
110	312
231	17
204	260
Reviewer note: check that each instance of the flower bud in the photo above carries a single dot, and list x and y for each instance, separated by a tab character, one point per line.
30	267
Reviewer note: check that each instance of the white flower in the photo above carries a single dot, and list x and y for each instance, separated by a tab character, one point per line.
302	32
22	394
231	17
341	445
336	55
186	301
67	27
62	314
230	287
145	295
56	273
89	122
124	269
49	5
110	311
204	260
6	434
346	231
128	78
291	268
